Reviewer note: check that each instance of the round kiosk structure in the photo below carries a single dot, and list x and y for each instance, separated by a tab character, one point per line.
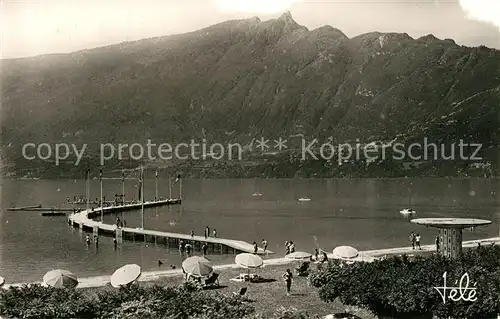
450	232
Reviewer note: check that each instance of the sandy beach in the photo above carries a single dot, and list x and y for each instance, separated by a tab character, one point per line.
100	281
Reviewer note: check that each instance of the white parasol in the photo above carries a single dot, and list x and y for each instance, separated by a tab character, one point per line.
59	278
197	266
345	252
125	275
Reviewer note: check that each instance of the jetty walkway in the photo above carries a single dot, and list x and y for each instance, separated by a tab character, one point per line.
84	221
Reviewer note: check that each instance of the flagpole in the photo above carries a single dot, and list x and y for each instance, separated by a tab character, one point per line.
123	189
180	188
87	182
169	187
123	192
102	204
156	194
142	197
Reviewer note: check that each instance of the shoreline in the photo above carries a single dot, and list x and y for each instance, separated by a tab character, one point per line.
148	276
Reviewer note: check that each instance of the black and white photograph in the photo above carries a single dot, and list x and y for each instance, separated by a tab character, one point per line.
250	159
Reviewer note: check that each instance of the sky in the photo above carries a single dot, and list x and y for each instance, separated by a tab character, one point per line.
34	27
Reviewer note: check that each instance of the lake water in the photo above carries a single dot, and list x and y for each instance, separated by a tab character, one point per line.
363	213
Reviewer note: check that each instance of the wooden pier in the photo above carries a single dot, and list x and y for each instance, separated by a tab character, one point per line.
83	221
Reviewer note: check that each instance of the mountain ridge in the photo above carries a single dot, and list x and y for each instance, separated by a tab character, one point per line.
242	78
255	20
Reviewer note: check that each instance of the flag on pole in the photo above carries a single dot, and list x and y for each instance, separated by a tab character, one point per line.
140	185
178	178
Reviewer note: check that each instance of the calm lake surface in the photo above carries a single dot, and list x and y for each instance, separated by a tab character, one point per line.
363	213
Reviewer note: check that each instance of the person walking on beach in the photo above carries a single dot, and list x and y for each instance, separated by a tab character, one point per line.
204	248
417	241
215	233
288	277
437	244
255	248
412	240
87	240
96	240
114	243
264	245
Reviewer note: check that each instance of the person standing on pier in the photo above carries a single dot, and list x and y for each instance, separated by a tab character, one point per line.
291	248
207	232
215	233
288	277
255	248
192	233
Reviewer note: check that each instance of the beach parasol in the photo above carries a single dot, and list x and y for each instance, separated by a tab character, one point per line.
249	260
2	281
345	252
298	255
60	279
197	266
125	275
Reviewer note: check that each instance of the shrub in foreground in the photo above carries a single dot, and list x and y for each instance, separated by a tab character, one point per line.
400	288
152	302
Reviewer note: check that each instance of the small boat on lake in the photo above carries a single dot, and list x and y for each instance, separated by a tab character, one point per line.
407	212
304	199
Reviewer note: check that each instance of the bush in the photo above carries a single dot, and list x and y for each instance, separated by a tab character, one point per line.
399	288
35	301
136	301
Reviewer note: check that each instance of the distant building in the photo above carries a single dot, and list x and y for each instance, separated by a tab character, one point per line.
480	165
